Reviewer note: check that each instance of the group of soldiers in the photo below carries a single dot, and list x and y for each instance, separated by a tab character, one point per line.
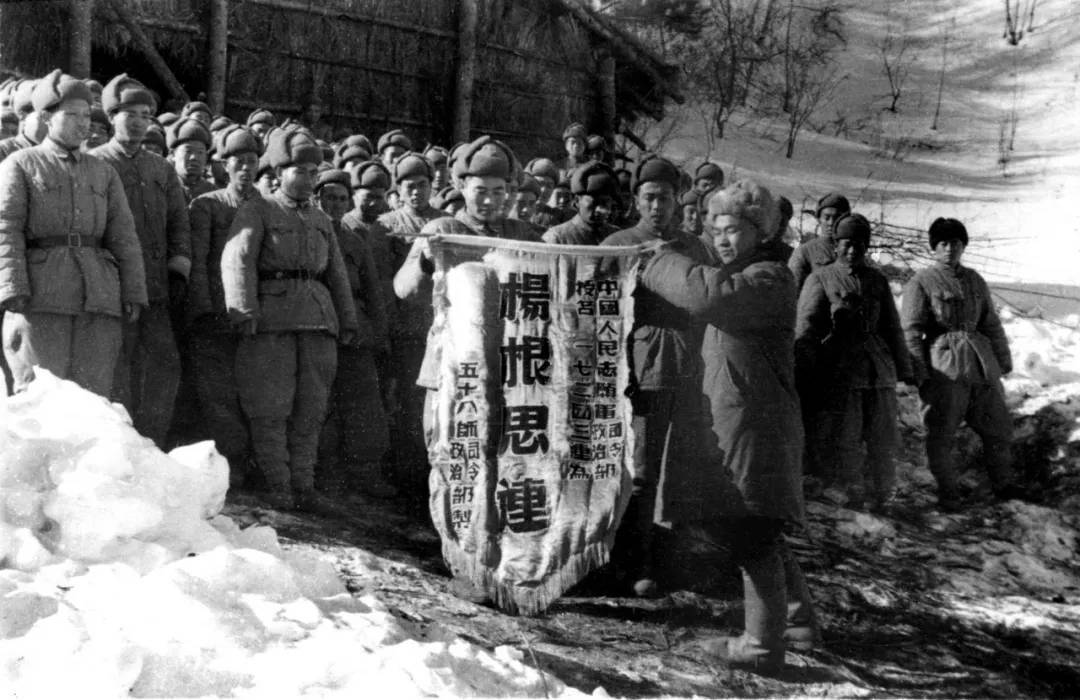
255	285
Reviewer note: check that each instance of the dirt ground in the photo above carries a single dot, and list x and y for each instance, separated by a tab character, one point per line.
985	603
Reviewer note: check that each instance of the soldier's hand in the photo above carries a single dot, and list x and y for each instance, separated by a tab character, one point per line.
132	311
16	304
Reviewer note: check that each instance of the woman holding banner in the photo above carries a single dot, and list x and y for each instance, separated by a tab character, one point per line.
747	299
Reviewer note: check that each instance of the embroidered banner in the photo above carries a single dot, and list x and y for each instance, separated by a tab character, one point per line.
531	436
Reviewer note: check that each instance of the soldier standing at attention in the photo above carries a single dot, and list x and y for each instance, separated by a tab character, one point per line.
148	371
212	340
663	354
959	352
848	334
595	190
189	141
70	264
355	437
287	289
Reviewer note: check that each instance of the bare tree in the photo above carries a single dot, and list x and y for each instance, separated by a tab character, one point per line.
941	73
808	72
1019	19
895	60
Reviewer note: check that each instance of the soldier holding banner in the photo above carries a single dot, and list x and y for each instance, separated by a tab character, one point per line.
664	360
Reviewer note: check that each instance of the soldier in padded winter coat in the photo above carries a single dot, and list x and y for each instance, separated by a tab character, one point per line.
287	288
70	263
746	299
959	353
848	340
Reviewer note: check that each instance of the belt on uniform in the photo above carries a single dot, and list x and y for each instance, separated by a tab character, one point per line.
73	240
266	276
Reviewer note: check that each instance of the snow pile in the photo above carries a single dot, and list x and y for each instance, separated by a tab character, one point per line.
118	576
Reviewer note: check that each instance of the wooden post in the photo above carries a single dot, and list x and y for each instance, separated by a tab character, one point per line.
217	55
146	48
468	19
80	30
605	78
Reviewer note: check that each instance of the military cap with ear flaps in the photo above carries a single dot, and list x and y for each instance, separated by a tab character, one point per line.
396	137
594	178
485	157
234	140
187	129
56	87
286	148
655	168
370	175
123	91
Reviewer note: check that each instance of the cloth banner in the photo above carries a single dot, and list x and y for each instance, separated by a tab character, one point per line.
531	436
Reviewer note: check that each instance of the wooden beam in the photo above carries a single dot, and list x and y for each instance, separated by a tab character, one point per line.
146	47
314	9
605	90
217	55
80	30
468	19
623	45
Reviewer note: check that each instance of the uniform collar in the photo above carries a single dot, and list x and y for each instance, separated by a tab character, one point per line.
62	151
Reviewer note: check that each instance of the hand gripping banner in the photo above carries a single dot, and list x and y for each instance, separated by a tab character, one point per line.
531	436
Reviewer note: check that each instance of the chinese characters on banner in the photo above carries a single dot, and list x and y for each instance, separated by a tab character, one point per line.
531	422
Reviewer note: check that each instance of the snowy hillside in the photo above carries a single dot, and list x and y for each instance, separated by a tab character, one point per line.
1023	218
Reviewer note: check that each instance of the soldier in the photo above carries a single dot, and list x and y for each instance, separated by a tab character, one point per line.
154	141
370	182
595	190
355	437
559	207
70	264
312	120
448	200
31	126
9	121
213	341
391	145
439	158
148	370
820	251
286	287
265	179
848	335
528	194
746	300
575	140
189	140
353	150
198	110
547	174
959	353
707	177
261	121
483	167
100	129
689	204
663	354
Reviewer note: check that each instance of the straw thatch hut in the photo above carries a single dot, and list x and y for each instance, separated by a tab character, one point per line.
440	69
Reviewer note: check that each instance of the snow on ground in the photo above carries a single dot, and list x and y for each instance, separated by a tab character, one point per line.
118	576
